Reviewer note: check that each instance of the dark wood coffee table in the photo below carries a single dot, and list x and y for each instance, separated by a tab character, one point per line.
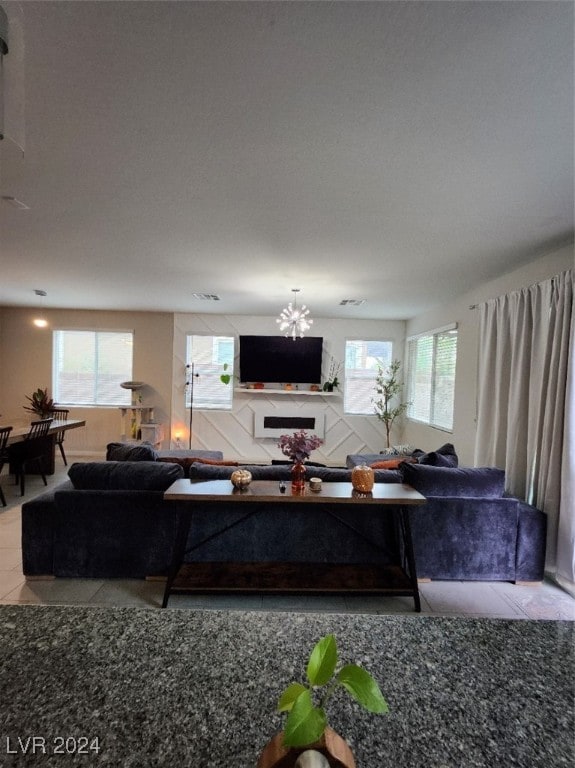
388	498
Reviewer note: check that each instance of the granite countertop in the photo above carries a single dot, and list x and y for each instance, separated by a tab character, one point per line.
198	689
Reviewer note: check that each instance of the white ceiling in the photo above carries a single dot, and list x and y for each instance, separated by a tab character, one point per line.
397	152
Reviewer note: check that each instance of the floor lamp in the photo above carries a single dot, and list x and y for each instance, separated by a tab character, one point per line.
190	376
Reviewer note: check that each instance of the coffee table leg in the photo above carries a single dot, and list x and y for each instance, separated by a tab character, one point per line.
182	529
408	543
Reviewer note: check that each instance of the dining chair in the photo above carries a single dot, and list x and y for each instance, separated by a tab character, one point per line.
60	414
4	435
33	449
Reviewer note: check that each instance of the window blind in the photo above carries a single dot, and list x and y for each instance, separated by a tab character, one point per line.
361	367
431	360
89	366
208	354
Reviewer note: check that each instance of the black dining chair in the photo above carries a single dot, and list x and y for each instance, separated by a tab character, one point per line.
60	414
4	435
32	450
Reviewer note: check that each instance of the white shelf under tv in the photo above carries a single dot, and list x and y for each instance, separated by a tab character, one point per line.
307	392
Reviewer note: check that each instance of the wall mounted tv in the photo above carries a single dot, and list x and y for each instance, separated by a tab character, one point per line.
281	360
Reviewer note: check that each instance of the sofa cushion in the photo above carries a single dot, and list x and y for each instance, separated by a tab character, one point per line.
186	453
130	452
480	482
444	456
186	463
201	471
282	472
124	475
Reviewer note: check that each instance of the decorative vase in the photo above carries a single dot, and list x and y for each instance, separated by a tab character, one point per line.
331	744
362	478
298	477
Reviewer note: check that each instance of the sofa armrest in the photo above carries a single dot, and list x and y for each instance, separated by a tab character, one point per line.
38	523
531	543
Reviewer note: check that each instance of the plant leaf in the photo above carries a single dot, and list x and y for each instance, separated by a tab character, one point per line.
305	723
288	697
364	689
321	664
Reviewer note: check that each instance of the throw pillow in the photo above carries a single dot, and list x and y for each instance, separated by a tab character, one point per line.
123	476
444	456
130	452
390	463
464	482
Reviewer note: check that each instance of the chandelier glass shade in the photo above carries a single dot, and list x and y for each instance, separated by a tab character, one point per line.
294	320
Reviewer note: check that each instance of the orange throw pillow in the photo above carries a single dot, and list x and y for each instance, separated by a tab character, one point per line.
390	463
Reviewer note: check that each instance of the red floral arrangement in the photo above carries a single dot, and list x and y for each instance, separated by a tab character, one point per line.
299	445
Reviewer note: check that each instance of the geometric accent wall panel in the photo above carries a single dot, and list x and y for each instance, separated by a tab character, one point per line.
233	431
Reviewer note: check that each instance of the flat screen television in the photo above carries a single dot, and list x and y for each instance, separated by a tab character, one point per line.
281	360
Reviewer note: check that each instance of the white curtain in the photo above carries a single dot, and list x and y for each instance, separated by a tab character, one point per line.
525	405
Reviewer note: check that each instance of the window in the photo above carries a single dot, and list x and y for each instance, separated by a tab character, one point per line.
89	366
431	377
361	367
208	355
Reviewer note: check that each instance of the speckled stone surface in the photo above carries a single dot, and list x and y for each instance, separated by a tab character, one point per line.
199	689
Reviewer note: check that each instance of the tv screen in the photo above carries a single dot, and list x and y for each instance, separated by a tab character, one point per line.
281	360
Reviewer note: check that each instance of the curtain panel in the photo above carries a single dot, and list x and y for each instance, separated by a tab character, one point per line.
525	405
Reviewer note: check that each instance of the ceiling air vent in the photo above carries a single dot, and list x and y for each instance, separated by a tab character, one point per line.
205	296
351	302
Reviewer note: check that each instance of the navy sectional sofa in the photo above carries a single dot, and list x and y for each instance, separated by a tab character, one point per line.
109	520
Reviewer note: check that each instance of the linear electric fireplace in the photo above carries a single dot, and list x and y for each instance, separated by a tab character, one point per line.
273	424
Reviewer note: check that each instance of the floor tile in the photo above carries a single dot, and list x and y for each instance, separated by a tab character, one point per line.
217	602
467	598
10	558
129	592
10	581
55	591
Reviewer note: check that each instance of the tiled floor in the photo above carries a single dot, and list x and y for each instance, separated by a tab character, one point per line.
440	598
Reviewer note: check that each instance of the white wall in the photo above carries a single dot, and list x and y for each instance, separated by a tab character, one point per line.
233	432
459	311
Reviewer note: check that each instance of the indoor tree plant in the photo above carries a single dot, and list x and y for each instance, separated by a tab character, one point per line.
40	403
388	387
306	724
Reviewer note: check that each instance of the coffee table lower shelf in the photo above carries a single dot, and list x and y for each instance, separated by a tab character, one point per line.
292	578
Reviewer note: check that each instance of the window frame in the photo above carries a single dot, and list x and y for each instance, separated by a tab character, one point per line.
432	409
124	396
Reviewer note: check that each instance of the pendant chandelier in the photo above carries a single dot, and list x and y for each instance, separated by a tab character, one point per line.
293	320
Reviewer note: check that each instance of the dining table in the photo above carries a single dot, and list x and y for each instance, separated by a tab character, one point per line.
19	433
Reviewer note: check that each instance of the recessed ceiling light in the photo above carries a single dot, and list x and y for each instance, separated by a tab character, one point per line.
351	302
205	296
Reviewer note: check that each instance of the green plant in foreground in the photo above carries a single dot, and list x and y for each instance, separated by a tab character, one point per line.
306	722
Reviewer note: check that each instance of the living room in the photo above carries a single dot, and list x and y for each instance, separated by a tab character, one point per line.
425	175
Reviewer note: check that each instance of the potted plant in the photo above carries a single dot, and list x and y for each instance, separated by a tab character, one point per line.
298	447
388	386
332	381
306	724
40	403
